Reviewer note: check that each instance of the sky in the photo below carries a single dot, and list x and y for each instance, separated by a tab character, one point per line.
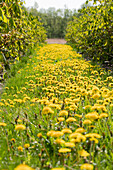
71	4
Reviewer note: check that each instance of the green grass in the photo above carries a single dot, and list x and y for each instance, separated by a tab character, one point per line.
53	77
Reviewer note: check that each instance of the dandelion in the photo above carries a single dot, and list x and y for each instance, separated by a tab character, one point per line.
110	84
96	96
74	140
111	105
86	166
83	153
87	122
7	88
57	134
103	115
81	138
63	113
80	130
13	139
19	120
1	104
87	107
47	110
69	144
3	124
77	115
61	119
50	133
23	167
59	141
20	127
74	135
27	145
64	150
96	135
94	139
39	135
78	136
20	148
58	169
92	116
71	119
66	130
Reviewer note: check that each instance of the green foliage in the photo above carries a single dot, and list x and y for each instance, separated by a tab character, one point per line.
19	30
92	33
54	21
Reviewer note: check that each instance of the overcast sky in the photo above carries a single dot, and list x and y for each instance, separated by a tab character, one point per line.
71	4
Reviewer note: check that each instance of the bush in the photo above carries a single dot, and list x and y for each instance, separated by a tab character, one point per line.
92	32
19	31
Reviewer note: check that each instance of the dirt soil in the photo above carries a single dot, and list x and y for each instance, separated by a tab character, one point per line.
56	41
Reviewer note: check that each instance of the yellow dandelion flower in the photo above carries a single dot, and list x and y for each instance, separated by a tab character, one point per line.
95	107
103	108
57	134
96	96
78	136
77	140
20	127
94	139
103	115
23	167
87	107
73	140
111	105
47	110
110	84
91	127
74	135
50	133
105	103
80	130
63	113
96	135
59	141
1	104
67	130
55	106
39	135
27	145
20	148
95	89
69	144
83	153
86	166
76	100
77	115
64	150
61	119
58	169
92	116
3	124
19	120
71	119
87	122
81	138
13	139
7	88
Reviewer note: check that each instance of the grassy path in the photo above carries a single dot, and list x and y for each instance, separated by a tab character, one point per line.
56	113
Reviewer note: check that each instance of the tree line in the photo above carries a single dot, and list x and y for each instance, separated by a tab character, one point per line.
54	20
